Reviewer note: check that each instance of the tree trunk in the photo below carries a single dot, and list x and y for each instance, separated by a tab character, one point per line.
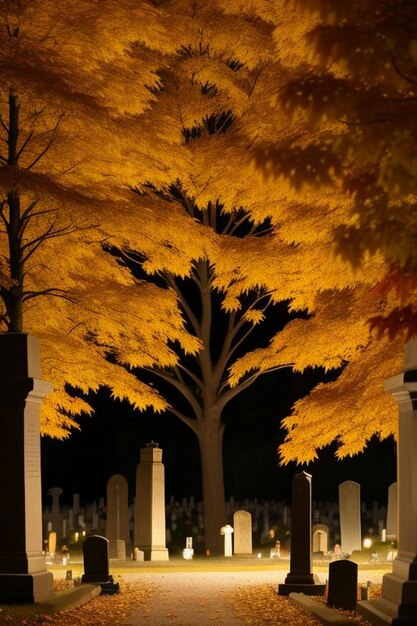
214	506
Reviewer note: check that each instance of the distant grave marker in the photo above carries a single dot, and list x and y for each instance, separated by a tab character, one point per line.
227	531
350	516
242	523
117	515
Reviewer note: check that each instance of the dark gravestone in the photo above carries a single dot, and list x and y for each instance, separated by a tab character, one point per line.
300	578
343	585
96	564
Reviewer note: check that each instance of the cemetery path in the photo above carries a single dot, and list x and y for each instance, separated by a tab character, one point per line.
196	598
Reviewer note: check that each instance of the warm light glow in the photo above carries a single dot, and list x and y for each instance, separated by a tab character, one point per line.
367	543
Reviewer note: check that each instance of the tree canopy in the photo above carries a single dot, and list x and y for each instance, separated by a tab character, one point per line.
155	130
353	84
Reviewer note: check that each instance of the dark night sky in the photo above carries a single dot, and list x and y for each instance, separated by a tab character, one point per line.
109	443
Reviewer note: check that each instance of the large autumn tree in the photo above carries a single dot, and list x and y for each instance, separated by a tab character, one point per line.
264	241
163	172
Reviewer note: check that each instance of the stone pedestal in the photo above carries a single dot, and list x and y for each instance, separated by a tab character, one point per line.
150	531
398	602
300	578
23	575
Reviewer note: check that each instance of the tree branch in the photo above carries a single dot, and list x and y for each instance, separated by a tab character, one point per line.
48	145
52	291
180	386
184	304
192	423
234	391
191	374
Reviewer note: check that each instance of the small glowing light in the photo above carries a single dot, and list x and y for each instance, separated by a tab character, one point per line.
367	543
84	533
77	536
259	555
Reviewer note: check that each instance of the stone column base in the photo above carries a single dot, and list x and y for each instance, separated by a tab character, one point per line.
316	589
26	588
397	607
309	584
156	554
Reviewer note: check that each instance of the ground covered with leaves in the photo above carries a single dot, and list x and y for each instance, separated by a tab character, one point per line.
104	610
256	605
259	605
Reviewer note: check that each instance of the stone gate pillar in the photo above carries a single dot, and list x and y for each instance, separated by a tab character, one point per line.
23	575
398	603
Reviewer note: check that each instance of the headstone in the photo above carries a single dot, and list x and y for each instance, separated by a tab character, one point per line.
149	533
96	563
188	551
392	512
398	602
23	575
121	550
117	520
300	578
343	585
52	543
227	531
350	516
320	538
242	524
138	555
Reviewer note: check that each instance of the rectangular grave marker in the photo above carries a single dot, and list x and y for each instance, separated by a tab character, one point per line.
96	564
343	585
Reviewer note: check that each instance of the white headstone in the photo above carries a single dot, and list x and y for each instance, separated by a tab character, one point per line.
350	516
227	532
320	538
242	524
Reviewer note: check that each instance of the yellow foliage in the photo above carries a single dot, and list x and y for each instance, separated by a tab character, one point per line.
322	417
172	134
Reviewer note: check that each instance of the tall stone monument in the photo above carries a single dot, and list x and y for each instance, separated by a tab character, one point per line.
150	532
117	514
398	603
300	578
392	512
23	575
350	516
